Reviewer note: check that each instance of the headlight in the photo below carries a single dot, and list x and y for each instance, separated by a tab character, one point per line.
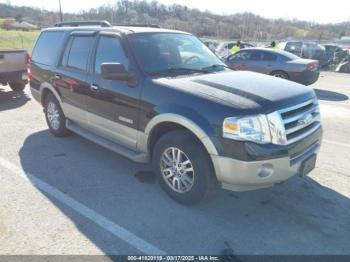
252	128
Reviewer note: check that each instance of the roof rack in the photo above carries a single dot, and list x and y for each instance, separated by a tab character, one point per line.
141	25
102	23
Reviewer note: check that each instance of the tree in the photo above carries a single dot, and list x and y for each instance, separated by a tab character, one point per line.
19	18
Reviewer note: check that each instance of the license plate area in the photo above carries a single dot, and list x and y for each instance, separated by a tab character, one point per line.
307	165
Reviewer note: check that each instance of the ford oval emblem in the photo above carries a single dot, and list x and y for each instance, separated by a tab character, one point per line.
305	120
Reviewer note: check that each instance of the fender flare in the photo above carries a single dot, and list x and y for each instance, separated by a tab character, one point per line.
182	121
48	86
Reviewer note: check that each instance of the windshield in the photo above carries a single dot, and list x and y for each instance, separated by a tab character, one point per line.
158	52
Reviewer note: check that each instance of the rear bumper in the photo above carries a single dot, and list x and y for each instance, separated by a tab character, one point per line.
13	76
238	175
305	77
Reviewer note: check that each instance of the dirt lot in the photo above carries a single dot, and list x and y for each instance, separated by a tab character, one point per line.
70	196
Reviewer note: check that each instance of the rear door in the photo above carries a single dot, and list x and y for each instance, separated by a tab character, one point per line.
263	61
113	105
71	76
45	57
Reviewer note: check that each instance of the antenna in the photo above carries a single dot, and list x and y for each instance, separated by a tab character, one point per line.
61	16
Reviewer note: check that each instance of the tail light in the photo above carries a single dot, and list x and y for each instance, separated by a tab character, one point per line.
29	70
312	66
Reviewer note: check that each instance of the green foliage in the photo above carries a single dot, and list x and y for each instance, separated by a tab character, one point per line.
17	39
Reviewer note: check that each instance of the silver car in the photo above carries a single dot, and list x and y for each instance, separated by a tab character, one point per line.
277	63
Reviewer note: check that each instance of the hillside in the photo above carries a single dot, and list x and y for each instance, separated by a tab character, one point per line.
238	26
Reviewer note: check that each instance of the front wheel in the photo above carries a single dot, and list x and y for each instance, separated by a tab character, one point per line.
54	116
183	167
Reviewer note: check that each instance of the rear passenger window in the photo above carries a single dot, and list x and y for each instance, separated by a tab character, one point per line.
269	57
257	56
109	50
47	47
77	52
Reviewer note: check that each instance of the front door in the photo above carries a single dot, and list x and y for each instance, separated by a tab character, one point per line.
113	105
240	60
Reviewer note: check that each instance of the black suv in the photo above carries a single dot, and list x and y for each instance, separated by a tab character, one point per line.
152	94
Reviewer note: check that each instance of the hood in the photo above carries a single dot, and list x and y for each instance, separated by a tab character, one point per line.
243	90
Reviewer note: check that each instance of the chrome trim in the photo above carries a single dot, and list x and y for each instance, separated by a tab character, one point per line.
278	130
294	118
298	127
309	132
284	110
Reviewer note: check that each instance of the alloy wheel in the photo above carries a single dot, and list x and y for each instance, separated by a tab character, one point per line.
53	115
177	170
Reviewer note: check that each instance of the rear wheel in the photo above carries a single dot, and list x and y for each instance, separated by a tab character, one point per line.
17	85
280	74
183	167
54	116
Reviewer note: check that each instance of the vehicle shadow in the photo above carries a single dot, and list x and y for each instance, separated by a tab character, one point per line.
298	217
11	99
330	95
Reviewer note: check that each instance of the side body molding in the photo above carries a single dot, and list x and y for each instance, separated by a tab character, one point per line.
143	140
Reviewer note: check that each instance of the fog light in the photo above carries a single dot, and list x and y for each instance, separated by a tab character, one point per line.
265	171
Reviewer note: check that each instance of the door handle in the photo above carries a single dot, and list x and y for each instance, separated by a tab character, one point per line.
57	76
94	87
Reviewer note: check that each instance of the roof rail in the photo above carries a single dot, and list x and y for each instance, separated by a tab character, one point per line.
141	25
102	23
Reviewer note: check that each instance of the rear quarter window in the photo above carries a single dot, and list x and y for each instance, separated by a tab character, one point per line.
47	47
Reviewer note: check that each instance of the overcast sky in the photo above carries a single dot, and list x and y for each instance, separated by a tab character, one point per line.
311	10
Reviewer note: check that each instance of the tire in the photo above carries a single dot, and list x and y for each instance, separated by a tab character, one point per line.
17	85
190	187
55	118
280	74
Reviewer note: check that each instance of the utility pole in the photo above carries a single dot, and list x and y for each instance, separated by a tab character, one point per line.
61	16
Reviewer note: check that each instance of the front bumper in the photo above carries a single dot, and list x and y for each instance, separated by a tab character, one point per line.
240	175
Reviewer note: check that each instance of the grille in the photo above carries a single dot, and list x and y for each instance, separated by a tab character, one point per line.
300	120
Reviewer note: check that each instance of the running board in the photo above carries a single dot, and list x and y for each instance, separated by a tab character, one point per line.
115	147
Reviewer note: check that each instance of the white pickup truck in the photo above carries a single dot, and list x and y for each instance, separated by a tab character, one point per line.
13	68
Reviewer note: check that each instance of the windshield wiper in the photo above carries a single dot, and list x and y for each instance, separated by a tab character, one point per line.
215	66
179	69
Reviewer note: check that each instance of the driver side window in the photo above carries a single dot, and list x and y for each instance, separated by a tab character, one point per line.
240	56
109	50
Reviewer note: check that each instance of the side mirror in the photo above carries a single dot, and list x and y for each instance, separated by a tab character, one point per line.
115	71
